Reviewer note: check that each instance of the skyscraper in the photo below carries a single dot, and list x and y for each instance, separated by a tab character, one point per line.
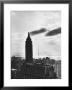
28	50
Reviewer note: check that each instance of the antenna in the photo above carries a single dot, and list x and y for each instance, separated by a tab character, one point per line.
38	49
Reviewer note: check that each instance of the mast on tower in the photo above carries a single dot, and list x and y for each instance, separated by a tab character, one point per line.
38	49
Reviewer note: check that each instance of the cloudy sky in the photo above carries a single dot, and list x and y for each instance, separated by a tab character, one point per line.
45	29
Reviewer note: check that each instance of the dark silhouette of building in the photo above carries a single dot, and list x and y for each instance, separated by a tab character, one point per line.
31	70
28	49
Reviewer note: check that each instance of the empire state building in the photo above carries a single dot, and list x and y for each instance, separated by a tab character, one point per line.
28	50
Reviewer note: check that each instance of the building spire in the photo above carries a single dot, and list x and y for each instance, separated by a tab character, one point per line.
28	48
28	37
28	34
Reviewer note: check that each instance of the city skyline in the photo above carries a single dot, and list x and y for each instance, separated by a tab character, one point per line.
42	46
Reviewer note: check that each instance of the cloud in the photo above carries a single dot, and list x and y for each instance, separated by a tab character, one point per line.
54	32
42	30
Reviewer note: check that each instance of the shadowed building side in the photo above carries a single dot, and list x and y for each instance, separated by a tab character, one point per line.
28	50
